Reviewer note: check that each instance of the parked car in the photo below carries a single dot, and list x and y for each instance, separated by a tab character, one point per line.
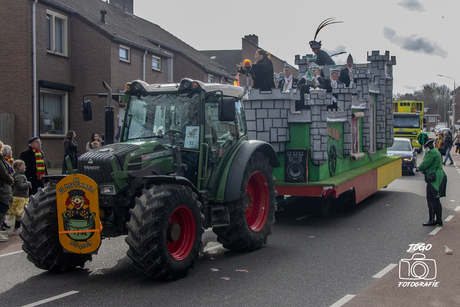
439	127
403	147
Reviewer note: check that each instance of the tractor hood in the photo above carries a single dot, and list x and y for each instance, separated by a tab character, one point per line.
100	163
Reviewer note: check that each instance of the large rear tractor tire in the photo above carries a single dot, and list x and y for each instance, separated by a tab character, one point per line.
253	214
165	230
40	234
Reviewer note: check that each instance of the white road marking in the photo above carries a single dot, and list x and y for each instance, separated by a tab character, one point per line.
51	299
343	300
435	231
385	270
457	208
411	250
449	218
9	254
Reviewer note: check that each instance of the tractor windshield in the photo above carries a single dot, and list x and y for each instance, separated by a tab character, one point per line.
170	118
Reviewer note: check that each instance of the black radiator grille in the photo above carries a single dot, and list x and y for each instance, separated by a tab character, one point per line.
96	163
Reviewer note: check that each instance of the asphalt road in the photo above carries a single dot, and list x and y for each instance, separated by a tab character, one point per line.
308	261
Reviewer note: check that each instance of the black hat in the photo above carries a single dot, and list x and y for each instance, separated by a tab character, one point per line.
76	192
33	139
349	58
315	44
428	142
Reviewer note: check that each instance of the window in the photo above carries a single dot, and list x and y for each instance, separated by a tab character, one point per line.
432	119
57	33
124	53
210	78
156	63
170	70
53	112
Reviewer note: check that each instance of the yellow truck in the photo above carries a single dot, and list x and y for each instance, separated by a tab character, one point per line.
409	121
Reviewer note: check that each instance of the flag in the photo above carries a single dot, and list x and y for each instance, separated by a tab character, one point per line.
237	81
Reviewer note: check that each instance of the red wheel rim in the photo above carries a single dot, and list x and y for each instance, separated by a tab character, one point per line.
256	201
180	247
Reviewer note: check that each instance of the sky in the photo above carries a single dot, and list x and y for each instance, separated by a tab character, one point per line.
422	34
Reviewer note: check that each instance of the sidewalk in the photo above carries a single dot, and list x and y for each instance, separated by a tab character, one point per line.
444	290
14	242
390	290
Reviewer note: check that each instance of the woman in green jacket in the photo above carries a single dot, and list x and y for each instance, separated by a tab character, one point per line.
436	182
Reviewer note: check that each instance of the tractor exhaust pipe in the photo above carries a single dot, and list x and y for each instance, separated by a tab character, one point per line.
109	116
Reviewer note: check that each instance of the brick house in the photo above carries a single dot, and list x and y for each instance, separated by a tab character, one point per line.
249	45
431	121
52	52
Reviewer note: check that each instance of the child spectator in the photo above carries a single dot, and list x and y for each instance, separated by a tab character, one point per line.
21	189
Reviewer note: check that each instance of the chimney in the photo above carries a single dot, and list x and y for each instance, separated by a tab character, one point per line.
252	38
103	13
124	5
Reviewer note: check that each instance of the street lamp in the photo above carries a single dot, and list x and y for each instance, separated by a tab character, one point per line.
453	103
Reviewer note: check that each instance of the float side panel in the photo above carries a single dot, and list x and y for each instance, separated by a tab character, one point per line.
388	173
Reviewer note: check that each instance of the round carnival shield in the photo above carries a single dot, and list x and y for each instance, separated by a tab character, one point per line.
78	214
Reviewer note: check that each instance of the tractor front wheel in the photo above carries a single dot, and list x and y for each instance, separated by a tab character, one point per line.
40	234
164	233
253	214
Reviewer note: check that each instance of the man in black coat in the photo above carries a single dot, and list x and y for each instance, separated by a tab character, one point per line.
346	74
288	82
28	156
333	82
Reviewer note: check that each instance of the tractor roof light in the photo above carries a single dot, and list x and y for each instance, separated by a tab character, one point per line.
189	85
247	63
134	87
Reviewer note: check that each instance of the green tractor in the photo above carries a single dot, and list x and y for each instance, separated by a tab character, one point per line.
183	163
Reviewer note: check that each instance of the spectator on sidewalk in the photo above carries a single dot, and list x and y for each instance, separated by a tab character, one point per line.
447	147
70	149
8	154
34	158
457	144
6	193
21	189
94	142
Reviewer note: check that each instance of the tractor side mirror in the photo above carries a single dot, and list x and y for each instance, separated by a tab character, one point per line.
86	110
226	109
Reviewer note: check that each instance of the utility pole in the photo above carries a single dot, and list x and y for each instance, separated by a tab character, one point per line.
453	103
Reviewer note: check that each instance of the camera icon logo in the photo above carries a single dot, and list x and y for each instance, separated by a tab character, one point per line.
417	268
